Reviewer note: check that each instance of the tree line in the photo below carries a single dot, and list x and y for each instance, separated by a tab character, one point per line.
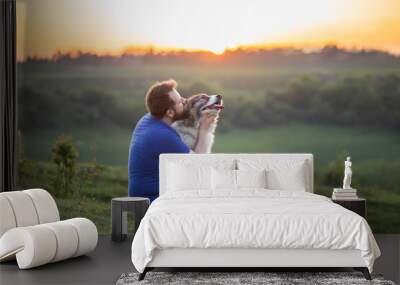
330	55
366	101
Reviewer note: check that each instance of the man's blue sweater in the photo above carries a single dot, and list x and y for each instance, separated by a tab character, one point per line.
150	138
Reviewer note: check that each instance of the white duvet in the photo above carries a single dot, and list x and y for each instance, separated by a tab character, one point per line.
250	219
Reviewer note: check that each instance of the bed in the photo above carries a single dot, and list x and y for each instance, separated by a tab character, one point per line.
247	210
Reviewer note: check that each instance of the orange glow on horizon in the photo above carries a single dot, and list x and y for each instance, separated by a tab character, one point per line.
156	50
135	26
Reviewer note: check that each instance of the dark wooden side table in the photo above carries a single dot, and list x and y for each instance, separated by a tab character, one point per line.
119	219
357	205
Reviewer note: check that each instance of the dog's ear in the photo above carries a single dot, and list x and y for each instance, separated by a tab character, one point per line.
193	99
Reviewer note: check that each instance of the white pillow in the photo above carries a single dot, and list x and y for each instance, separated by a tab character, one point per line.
182	177
223	179
281	174
293	179
231	180
251	178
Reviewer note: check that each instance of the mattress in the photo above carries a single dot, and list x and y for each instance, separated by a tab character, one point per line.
251	219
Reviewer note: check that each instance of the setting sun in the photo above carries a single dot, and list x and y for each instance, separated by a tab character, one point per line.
217	50
45	26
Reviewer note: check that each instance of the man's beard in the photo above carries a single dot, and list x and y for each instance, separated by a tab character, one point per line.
182	116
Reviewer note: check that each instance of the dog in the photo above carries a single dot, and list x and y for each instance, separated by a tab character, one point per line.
197	105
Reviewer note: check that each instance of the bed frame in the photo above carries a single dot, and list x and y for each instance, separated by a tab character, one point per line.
242	259
246	258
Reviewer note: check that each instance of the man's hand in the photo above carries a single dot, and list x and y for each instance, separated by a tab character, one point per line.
206	120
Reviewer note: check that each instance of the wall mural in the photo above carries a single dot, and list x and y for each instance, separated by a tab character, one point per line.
312	82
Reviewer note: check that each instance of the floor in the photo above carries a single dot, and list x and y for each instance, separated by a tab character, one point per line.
110	260
102	266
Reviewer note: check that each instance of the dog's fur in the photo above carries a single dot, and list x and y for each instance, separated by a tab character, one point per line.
188	128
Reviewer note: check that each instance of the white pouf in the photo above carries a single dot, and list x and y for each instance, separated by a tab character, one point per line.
31	232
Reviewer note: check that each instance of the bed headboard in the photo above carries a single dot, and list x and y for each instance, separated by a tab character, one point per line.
218	158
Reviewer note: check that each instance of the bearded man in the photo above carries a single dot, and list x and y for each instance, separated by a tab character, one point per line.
154	135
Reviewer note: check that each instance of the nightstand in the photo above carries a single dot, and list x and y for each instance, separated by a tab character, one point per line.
119	211
357	205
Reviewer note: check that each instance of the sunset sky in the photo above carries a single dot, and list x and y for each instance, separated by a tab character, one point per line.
109	26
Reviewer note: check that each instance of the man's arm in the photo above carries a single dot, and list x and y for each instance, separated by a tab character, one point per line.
171	143
200	145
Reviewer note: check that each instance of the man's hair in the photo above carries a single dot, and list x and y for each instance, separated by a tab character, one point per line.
157	98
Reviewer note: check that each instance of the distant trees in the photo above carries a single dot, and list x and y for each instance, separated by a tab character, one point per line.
371	101
330	55
91	107
367	101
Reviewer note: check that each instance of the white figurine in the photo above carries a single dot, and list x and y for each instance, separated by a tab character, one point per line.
347	174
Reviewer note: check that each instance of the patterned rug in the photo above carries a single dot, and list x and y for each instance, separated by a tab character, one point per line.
228	278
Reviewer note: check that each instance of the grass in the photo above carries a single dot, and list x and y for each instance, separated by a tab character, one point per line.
324	142
92	192
374	167
110	145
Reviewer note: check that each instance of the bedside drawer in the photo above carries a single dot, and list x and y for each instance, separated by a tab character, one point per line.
358	206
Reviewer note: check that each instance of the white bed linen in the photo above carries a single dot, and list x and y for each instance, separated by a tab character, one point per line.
252	218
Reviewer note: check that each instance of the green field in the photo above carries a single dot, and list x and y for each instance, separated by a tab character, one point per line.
375	155
110	146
